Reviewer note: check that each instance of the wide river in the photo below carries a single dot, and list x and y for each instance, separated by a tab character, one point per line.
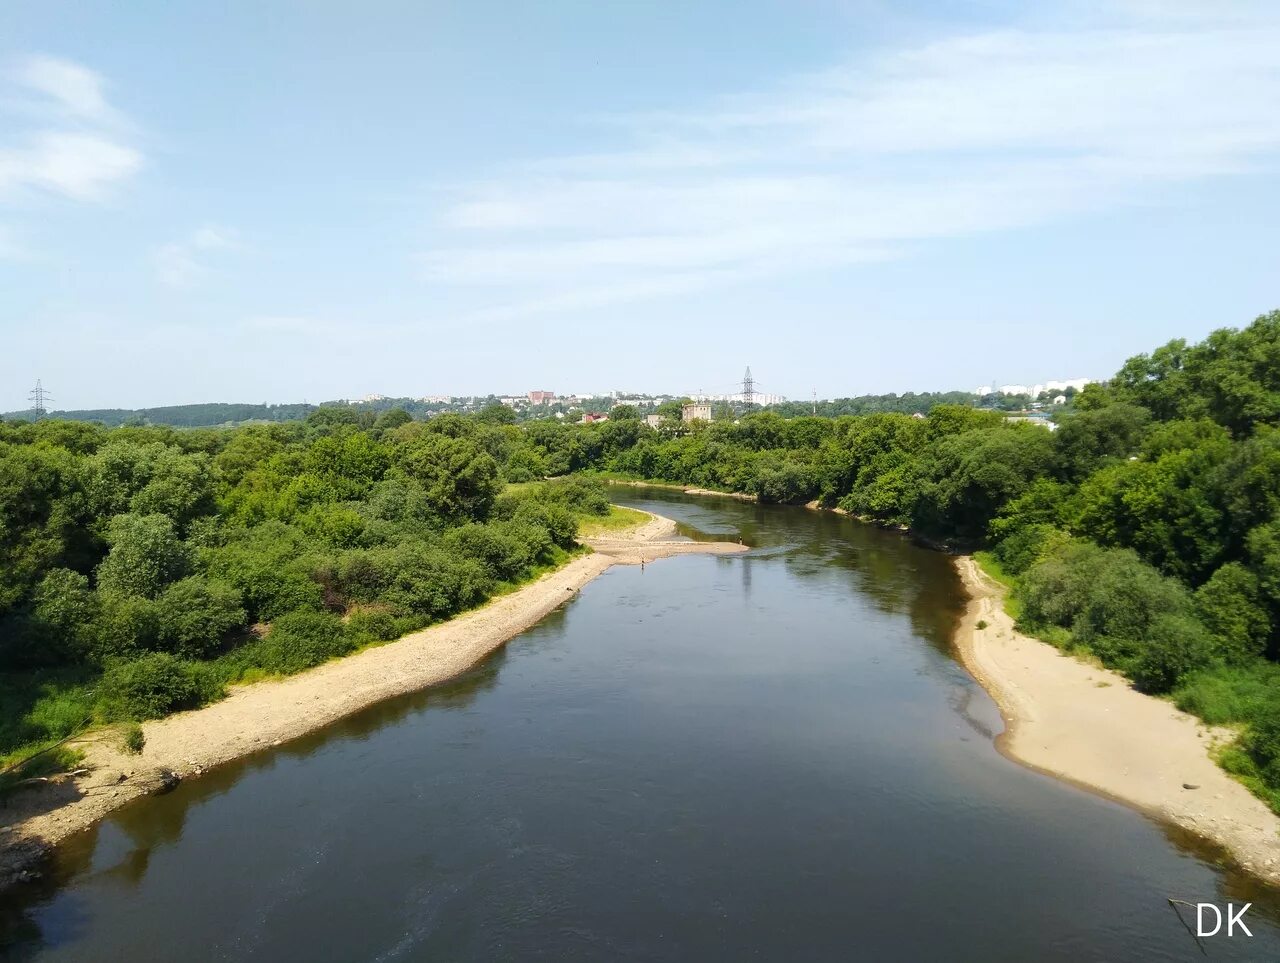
772	756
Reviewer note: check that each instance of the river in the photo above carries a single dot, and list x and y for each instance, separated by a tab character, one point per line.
773	756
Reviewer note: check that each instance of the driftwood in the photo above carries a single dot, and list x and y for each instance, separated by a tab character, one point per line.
1174	904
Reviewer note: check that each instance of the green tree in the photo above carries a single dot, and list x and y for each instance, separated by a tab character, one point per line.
460	481
194	615
1231	607
146	555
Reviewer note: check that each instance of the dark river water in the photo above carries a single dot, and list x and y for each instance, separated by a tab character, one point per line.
770	757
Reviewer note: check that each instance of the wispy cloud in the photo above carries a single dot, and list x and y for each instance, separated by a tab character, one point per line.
10	248
185	263
872	158
62	136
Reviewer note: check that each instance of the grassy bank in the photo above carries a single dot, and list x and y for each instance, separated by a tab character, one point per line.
619	519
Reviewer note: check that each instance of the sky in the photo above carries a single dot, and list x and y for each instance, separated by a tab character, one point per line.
279	202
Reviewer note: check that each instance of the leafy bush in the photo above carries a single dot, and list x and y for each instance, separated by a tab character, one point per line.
374	626
1223	695
782	481
145	555
300	640
148	687
1174	647
1263	742
1026	546
1230	605
134	739
195	614
584	496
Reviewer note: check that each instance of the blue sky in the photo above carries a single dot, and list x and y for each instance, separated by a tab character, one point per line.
278	201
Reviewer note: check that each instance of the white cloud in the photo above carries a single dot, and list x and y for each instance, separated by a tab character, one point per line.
184	263
871	158
63	137
76	89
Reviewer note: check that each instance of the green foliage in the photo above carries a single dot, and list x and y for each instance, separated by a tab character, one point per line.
146	555
148	687
780	480
1174	647
1027	545
1229	694
1230	605
1263	741
1109	599
459	479
194	615
300	640
133	739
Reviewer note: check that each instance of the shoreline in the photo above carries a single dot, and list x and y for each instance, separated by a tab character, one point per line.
1086	725
266	714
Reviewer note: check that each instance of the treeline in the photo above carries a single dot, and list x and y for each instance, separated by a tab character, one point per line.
218	414
904	404
179	416
143	569
1145	530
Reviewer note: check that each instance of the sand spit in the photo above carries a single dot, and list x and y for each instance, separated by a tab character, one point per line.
1089	726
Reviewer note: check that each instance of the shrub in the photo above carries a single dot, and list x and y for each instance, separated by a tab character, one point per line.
194	615
125	625
506	549
781	481
559	522
1175	646
148	687
373	626
1230	606
1263	741
1026	546
1228	694
300	640
145	556
134	739
1109	598
584	496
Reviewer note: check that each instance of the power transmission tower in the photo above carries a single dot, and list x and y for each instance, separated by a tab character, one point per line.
38	397
748	388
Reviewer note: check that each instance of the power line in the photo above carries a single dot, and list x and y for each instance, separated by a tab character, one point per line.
748	388
38	397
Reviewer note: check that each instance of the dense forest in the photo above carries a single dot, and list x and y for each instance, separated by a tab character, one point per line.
143	569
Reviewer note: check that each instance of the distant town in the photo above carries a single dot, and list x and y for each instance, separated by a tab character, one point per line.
1035	402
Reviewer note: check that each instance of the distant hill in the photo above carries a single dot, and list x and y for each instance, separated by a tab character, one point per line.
180	416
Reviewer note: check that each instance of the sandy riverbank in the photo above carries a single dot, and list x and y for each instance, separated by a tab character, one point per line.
740	496
1087	725
255	717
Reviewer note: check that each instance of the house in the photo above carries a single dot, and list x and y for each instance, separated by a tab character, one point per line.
591	417
697	411
541	397
653	421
